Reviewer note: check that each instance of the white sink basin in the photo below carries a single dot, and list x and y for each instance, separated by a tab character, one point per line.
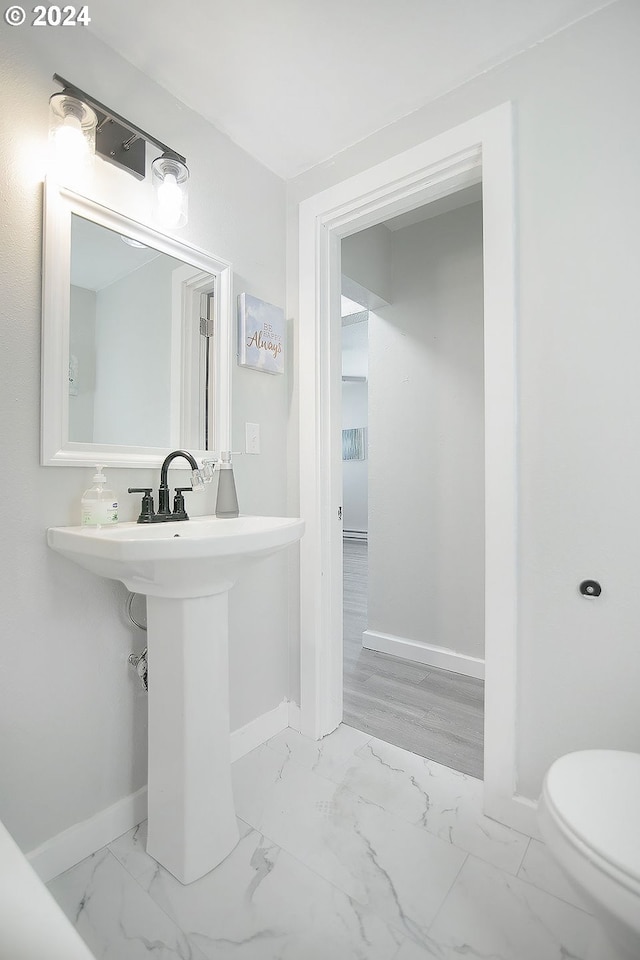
189	558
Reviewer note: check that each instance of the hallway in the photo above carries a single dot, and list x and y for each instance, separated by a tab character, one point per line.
431	712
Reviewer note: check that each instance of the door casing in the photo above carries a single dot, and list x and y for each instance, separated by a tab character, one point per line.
478	150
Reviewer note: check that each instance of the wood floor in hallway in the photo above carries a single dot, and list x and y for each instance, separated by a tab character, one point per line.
431	712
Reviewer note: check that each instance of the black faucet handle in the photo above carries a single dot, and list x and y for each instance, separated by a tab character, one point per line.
179	510
147	513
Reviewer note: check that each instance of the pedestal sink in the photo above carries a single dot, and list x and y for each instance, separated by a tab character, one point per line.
186	570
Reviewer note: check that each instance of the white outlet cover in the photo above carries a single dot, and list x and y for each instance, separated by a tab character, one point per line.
252	437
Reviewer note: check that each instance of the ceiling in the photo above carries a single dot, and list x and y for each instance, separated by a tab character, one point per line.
294	82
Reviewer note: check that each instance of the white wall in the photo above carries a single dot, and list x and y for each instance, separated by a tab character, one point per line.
354	472
355	347
355	363
355	411
366	258
577	142
72	717
133	350
426	428
82	345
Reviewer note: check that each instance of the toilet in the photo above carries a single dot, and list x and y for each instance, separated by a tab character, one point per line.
589	816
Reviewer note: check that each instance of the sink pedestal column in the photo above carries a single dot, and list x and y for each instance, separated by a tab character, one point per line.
192	823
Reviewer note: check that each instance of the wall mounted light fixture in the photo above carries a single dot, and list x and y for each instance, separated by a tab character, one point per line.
72	130
80	126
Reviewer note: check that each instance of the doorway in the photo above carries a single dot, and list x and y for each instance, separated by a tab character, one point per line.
480	149
413	497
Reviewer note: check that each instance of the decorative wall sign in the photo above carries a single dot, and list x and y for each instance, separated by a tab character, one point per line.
353	444
261	335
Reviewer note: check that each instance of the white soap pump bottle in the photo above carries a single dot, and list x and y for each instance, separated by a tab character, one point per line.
99	505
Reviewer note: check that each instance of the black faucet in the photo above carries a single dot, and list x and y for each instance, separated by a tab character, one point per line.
147	514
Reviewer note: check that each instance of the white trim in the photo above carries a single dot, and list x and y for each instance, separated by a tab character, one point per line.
82	839
188	286
480	149
258	731
294	716
427	653
521	813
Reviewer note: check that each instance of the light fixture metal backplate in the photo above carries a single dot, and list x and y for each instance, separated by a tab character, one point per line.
110	139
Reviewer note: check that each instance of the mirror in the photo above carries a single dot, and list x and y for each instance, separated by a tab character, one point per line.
136	357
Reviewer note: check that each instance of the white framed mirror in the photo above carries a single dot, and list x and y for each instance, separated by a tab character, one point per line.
136	340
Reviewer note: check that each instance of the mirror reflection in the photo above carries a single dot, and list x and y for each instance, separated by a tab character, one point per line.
137	339
127	304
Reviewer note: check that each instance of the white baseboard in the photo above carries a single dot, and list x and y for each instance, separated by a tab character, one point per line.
518	812
81	840
294	716
258	731
425	653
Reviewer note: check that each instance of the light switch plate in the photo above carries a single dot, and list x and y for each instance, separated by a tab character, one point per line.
252	437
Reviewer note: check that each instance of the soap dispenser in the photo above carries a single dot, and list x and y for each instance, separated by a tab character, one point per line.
99	505
227	499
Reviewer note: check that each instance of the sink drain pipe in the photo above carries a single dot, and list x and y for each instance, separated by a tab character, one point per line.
139	663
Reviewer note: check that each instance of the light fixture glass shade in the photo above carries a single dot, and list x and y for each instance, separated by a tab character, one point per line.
72	134
170	178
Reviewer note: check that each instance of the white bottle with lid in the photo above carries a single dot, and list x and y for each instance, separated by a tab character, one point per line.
99	505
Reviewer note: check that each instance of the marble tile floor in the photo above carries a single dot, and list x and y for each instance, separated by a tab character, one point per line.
350	849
